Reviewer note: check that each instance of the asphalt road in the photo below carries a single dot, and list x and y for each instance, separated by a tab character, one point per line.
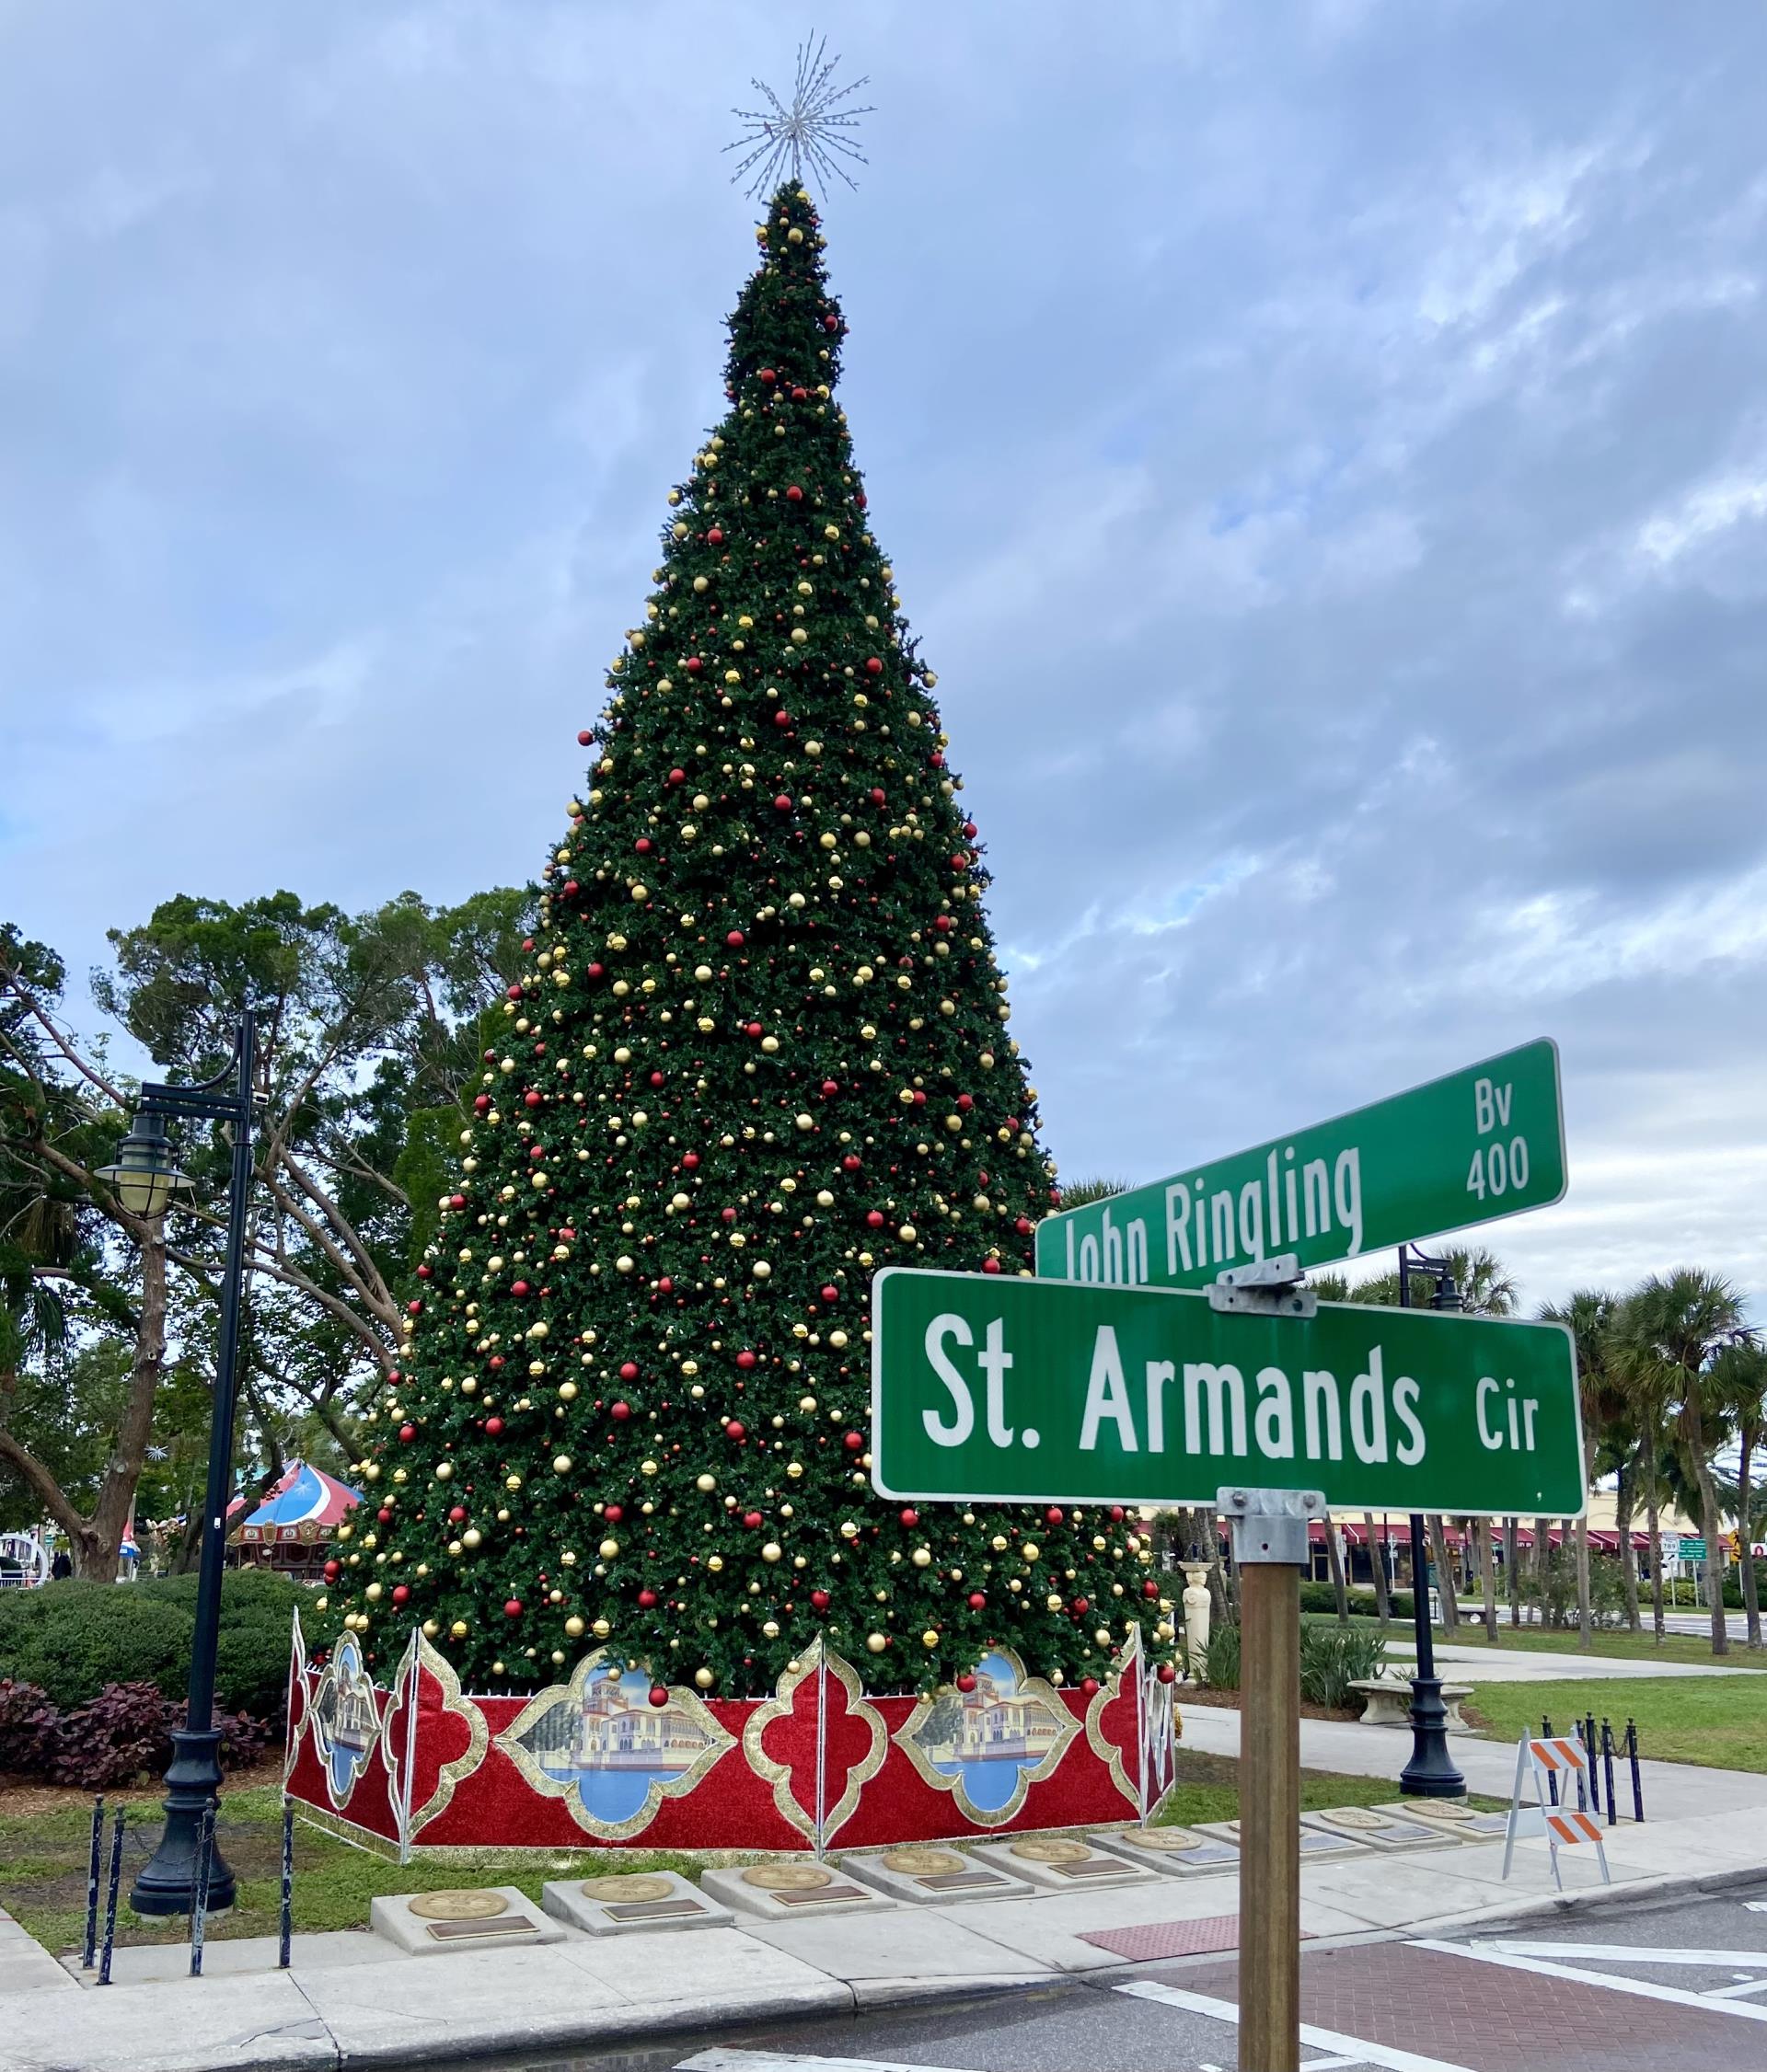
1679	1986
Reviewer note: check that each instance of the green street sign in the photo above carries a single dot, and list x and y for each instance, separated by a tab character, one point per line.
1692	1549
1479	1143
1031	1391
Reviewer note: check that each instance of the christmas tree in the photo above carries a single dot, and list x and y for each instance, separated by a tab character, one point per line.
760	1050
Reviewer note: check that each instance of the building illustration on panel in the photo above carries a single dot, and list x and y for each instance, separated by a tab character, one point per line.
994	1729
613	1726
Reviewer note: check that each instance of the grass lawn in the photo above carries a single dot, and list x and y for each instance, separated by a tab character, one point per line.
1622	1646
1720	1721
1208	1789
43	1850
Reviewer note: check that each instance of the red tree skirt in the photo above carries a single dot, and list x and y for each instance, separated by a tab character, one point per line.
594	1762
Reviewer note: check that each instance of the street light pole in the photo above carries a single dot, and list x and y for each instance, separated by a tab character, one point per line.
145	1180
1430	1774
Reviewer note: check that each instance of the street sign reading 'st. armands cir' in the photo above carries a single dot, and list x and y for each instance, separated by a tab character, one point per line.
1052	1391
1464	1149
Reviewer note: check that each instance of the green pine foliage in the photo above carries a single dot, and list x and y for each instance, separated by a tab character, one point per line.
759	1050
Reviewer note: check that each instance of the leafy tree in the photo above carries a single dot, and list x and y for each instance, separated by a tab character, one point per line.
1588	1315
757	1052
1666	1335
1085	1190
1739	1387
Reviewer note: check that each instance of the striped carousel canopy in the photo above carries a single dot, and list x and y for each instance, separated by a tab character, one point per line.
306	1505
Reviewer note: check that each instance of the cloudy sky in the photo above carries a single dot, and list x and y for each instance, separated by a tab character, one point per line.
1324	449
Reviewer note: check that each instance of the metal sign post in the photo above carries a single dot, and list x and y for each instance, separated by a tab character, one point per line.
1269	1530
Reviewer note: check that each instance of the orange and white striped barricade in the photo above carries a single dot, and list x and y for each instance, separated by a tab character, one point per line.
1565	1824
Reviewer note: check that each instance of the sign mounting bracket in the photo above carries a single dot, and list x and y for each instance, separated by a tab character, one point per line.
1270	1287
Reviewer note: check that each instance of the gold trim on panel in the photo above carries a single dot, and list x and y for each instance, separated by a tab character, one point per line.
463	1766
779	1707
1027	1691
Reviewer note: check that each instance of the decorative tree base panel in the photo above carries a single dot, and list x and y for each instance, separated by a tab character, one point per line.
603	1759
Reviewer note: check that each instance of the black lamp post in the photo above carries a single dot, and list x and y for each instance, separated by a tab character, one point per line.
1430	1774
144	1180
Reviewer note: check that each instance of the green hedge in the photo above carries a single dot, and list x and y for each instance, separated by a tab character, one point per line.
74	1637
1319	1597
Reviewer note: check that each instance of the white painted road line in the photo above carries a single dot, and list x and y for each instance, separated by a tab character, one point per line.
789	2061
1639	1988
1739	1991
1350	2049
1634	1953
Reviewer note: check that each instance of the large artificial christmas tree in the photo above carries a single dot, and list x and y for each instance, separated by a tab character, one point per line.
761	1051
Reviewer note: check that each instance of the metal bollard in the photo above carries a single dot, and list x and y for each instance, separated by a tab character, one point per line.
110	1901
1607	1765
200	1897
1552	1776
90	1955
287	1921
1637	1780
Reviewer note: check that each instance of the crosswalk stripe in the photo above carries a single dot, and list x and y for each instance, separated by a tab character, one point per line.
1352	2050
791	2061
1640	1988
1634	1953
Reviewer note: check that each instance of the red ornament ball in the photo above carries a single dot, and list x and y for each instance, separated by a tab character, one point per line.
734	939
642	845
646	1600
819	1598
795	494
910	1516
408	1433
512	1607
715	537
659	1695
494	1427
746	1360
690	1160
854	1442
518	1288
628	1370
830	1087
1088	1687
831	1293
875	1218
800	394
585	737
1054	1515
768	377
456	1514
533	1097
873	665
990	1266
678	777
752	1519
1166	1673
694	666
977	1600
831	323
332	1570
1149	1589
966	1682
401	1592
783	802
619	1411
734	1429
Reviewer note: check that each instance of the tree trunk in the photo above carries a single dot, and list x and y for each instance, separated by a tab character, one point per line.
1713	1526
1744	1536
1624	1505
1655	1533
1542	1564
1334	1561
1512	1567
96	1541
1378	1568
1444	1572
1487	1578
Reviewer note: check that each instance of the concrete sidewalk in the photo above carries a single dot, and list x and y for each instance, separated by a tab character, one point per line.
1673	1791
349	2000
1472	1661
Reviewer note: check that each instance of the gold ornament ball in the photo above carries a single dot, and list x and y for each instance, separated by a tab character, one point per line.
704	1678
472	1537
573	1626
771	1551
458	1629
561	1464
602	1629
609	1548
444	1468
771	1629
930	1639
429	1629
921	1557
705	1483
877	1642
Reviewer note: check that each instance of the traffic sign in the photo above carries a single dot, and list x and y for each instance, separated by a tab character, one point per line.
1048	1391
1692	1549
1668	1547
1477	1144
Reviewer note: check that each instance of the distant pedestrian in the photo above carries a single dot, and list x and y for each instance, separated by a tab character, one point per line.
62	1567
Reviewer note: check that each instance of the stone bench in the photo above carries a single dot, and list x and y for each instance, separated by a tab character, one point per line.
1386	1702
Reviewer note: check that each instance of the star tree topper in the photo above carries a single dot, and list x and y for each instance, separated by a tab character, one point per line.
806	135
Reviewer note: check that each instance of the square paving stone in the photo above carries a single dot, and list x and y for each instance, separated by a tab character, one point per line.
424	1923
1060	1862
792	1891
1179	1852
1451	1818
1379	1830
1314	1844
629	1902
927	1875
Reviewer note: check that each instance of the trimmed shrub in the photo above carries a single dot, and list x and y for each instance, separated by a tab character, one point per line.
1319	1597
76	1638
113	1739
28	1722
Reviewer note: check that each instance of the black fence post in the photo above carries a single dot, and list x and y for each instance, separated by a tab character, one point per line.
110	1901
287	1913
1607	1765
1552	1776
1637	1780
94	1860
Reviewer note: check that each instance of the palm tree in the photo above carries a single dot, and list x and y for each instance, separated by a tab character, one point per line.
1666	1335
1740	1382
1589	1317
1085	1190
